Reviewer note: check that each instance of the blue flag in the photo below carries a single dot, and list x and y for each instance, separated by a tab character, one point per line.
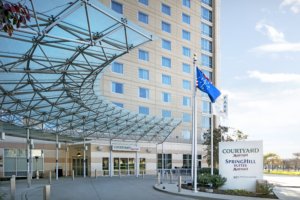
206	86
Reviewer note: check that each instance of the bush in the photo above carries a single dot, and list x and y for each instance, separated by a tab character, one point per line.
218	181
238	192
206	170
264	188
205	180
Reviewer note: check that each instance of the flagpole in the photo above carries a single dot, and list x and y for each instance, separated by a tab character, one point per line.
212	145
194	110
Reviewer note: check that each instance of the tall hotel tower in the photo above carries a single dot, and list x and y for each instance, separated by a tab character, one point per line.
157	78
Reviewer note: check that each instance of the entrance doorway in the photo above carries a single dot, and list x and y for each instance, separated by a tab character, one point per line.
123	166
77	165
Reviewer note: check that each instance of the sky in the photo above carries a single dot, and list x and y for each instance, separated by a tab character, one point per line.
259	57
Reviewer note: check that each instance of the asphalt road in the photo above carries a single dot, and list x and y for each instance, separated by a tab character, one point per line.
286	187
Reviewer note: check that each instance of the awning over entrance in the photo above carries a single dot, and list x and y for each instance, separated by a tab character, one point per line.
49	66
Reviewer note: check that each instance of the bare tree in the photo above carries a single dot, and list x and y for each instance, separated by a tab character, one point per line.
297	155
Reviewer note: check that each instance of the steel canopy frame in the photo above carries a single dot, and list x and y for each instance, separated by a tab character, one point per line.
49	70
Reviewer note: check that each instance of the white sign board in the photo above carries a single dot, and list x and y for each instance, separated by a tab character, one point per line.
241	163
124	147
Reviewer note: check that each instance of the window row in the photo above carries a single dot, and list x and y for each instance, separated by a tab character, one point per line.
165	9
186	117
144	74
118	68
145	93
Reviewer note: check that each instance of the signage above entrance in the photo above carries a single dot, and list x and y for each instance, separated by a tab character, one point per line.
122	147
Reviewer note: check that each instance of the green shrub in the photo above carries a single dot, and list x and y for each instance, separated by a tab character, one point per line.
264	188
207	170
205	180
218	181
238	192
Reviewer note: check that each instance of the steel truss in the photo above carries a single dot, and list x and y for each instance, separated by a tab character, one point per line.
49	69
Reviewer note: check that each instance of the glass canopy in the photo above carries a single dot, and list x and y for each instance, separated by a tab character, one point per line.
48	68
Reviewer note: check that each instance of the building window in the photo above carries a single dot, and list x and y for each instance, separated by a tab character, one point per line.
166	79
144	93
186	117
206	60
143	55
186	84
166	113
117	87
186	18
205	122
207	74
117	67
206	29
186	35
206	107
186	68
208	2
144	110
143	17
186	101
144	74
117	7
187	160
186	134
118	104
206	45
186	3
166	62
166	44
206	14
166	9
166	27
166	97
145	2
186	51
164	161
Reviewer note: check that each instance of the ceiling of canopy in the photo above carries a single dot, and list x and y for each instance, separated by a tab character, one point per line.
48	70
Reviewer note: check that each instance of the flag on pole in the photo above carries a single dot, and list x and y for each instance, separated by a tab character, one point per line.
206	86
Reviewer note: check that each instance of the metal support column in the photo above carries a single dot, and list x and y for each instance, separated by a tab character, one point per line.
56	164
137	164
66	165
110	161
84	159
28	158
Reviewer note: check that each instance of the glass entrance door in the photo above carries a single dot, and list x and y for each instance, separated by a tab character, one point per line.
78	166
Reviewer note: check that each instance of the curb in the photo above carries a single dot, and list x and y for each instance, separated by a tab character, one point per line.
188	193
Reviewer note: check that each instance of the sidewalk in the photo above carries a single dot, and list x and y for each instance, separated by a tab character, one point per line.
173	189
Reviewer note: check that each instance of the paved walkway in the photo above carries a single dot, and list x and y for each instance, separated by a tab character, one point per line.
128	187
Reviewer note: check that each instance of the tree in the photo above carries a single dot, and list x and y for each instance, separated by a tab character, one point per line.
271	161
297	155
12	15
220	134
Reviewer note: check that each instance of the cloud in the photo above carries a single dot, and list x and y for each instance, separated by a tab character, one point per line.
273	34
294	5
274	77
268	114
278	47
279	43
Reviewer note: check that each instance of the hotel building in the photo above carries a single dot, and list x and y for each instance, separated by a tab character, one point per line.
154	79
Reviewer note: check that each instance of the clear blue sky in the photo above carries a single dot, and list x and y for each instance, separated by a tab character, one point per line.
260	70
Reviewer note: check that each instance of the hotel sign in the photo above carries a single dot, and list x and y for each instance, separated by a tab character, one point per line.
123	147
241	163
